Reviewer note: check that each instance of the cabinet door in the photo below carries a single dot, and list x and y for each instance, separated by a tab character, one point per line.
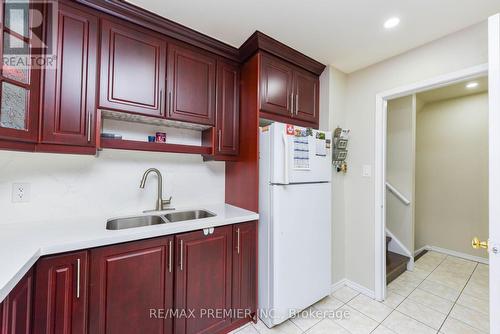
228	108
17	307
70	88
203	280
132	287
244	270
306	96
191	88
61	294
275	86
19	82
132	70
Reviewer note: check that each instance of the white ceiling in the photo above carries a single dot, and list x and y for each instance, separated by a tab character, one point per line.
347	34
454	91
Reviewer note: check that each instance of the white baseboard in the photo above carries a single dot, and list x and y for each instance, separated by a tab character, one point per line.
420	250
454	253
355	286
338	285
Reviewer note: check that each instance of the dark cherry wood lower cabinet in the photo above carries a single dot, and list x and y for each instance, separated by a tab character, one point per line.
244	295
17	308
131	287
61	294
203	281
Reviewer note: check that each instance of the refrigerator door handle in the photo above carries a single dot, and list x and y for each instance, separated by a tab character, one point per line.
285	163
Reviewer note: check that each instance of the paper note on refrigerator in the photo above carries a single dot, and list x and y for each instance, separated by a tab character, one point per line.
321	147
301	152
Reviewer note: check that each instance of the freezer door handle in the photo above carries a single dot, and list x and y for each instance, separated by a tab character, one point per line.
285	162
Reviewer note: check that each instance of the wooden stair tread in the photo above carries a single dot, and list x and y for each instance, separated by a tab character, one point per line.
395	265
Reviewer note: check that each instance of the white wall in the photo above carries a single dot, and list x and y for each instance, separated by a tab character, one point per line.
457	51
332	114
66	185
400	169
452	174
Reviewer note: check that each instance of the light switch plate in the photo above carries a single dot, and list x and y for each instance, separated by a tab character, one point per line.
367	170
21	192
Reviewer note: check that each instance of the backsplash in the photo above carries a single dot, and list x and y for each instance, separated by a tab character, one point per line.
63	186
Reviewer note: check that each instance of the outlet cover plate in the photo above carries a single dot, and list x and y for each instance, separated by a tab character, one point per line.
21	192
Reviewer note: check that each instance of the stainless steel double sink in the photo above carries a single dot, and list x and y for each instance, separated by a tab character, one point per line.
148	220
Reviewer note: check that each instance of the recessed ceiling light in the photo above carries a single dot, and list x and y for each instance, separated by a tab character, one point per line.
471	85
392	23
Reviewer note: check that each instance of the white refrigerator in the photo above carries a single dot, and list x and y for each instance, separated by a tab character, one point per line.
295	220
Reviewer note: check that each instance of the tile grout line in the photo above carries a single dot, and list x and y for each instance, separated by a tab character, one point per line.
404	298
380	323
424	290
455	303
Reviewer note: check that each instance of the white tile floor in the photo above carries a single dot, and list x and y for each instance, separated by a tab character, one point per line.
444	294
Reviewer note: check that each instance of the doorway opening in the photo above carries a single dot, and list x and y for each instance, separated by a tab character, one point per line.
433	188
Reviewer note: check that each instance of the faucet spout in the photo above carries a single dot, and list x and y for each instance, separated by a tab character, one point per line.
160	202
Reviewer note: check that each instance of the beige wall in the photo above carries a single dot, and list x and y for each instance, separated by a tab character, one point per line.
400	168
460	50
452	174
332	114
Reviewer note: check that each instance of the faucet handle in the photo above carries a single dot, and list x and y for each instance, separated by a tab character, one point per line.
166	202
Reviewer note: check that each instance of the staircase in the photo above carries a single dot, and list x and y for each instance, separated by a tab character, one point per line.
395	263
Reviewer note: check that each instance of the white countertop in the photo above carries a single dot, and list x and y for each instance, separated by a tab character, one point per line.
22	244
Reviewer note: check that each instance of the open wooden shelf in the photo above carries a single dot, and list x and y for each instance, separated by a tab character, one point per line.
134	145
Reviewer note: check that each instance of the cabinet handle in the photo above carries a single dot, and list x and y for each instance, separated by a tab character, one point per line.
89	125
161	100
220	139
291	104
238	240
182	255
296	104
169	102
78	278
170	256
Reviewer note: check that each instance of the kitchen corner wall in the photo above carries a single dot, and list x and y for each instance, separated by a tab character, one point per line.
332	114
454	52
64	186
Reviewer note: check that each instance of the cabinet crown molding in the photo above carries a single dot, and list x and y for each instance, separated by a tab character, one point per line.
152	21
260	41
257	41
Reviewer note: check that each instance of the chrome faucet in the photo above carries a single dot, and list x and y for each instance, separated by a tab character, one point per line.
160	202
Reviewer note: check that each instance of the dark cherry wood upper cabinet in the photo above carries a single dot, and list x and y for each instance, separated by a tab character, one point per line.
191	85
70	88
17	307
306	95
129	284
276	79
203	280
61	294
228	108
132	69
244	270
19	82
288	93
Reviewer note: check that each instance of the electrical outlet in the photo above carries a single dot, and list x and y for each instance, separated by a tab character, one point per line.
21	192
